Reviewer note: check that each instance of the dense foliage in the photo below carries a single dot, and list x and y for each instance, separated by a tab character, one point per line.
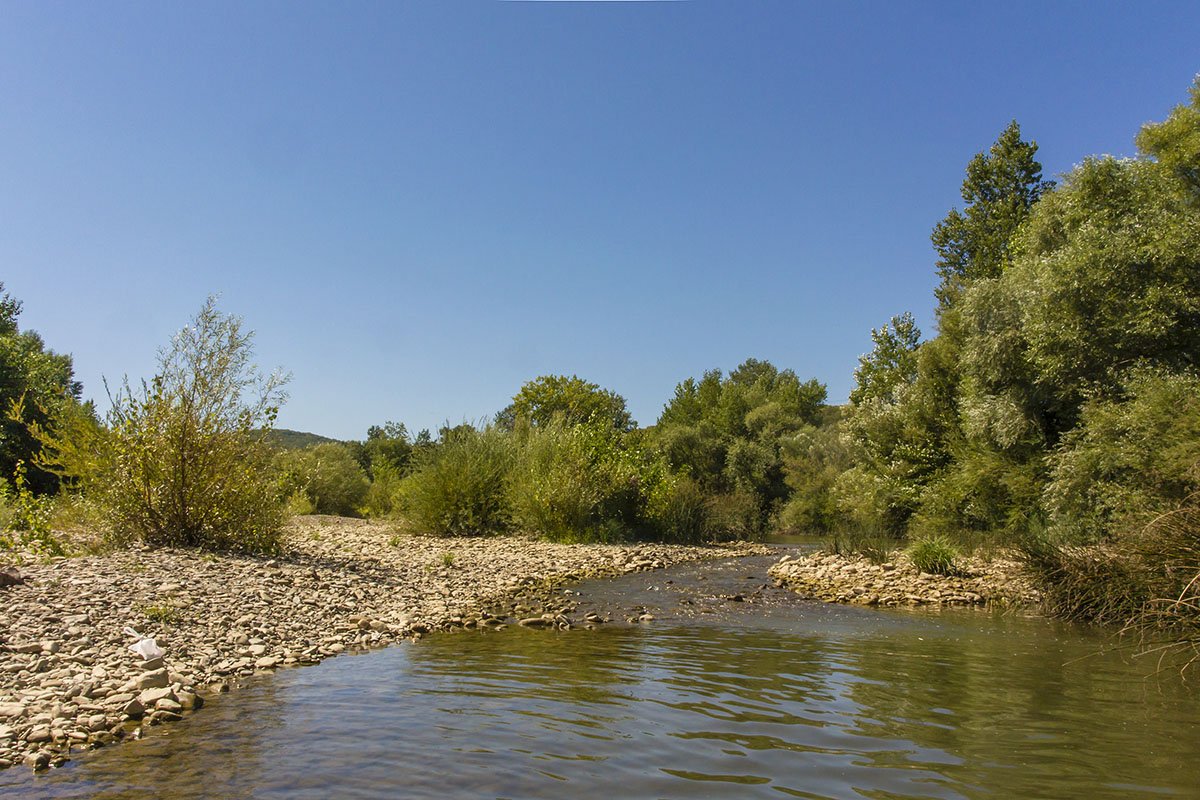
35	385
323	479
568	400
181	460
728	434
1056	409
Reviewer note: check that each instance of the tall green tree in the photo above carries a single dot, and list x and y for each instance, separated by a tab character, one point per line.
35	383
1000	188
571	400
891	364
907	405
727	433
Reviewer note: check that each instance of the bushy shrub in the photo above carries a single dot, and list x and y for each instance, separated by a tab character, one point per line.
935	554
25	517
735	515
183	461
677	509
985	492
459	487
383	496
575	483
328	476
1130	459
872	545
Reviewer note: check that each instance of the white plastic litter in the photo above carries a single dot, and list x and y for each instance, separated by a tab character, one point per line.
145	647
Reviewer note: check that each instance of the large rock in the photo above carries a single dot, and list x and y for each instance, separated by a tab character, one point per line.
155	679
38	761
11	576
189	701
39	734
167	704
152	696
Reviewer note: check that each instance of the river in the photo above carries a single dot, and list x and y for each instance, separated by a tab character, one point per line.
735	690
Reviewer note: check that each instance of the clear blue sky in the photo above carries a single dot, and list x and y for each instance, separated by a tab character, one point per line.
420	206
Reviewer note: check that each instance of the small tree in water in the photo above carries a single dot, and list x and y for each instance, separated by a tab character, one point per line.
187	464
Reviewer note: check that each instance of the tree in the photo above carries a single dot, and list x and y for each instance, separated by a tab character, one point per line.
35	385
1000	188
907	401
187	461
573	400
892	364
726	433
1175	142
388	445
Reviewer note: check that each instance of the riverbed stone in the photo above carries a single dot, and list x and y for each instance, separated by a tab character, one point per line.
151	696
155	679
189	701
39	734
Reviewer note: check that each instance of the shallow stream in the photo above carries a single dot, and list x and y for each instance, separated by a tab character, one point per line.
735	690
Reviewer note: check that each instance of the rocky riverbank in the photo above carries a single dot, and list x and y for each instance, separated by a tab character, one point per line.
69	681
837	578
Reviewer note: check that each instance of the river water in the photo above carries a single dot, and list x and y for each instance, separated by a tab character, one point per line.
734	690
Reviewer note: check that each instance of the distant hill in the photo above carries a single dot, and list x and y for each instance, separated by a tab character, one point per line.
285	439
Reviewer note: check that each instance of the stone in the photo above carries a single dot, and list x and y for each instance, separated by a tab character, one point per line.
150	665
167	704
11	710
11	576
189	701
7	733
133	709
266	662
38	761
152	696
153	680
39	734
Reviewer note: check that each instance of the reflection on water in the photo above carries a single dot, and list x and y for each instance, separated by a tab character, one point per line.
818	703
